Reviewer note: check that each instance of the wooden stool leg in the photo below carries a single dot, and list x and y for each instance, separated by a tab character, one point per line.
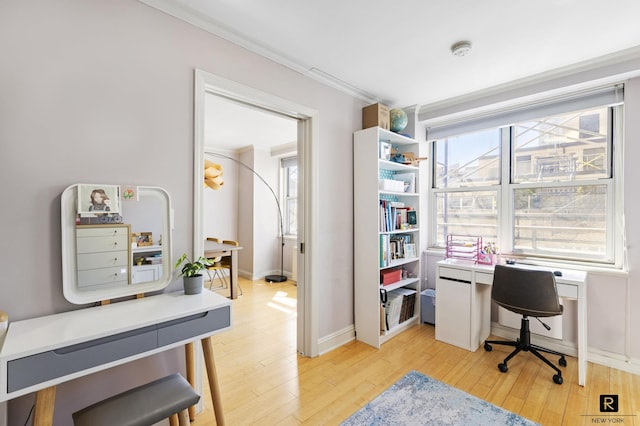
183	418
207	348
174	420
45	402
191	373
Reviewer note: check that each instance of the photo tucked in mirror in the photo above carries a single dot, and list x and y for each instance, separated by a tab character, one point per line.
116	241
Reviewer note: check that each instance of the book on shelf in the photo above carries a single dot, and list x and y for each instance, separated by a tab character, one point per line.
412	217
400	306
393	215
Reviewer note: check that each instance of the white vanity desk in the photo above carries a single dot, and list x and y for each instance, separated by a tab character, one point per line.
40	353
463	304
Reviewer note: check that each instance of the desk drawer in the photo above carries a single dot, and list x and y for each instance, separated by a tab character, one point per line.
195	325
454	274
38	368
484	278
567	290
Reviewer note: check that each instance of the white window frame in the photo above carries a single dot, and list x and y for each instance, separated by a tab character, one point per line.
506	194
285	164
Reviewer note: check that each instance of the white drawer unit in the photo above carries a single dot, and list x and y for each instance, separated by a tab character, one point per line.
103	253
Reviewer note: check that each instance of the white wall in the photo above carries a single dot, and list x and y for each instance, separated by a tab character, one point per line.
220	208
102	91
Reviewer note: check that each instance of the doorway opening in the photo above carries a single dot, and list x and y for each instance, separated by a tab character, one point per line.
307	135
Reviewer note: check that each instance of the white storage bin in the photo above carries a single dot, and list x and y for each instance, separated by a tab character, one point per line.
391	185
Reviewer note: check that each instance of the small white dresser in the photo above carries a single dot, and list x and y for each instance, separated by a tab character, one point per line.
103	255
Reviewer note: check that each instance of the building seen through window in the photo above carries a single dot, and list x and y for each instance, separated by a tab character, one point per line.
542	187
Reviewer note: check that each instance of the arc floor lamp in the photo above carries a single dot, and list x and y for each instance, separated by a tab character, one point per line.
213	180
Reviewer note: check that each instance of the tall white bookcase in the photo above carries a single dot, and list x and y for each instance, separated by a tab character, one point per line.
375	223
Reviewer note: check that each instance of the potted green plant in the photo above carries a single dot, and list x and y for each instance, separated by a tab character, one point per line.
191	273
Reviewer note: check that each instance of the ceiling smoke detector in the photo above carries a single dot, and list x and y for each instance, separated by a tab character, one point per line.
461	48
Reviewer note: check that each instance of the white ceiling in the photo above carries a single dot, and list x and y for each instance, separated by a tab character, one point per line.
399	53
233	126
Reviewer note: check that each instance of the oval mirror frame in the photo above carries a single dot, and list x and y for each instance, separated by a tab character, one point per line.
72	292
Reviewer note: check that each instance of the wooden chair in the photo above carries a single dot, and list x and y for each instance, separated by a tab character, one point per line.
217	268
226	261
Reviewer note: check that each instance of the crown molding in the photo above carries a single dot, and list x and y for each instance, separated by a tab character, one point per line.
206	23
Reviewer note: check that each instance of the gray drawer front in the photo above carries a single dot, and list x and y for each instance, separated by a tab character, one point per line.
41	367
174	331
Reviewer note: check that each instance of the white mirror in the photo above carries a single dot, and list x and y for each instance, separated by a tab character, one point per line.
116	241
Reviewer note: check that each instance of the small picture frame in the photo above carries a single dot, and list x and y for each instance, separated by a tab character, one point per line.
142	239
410	251
385	151
98	199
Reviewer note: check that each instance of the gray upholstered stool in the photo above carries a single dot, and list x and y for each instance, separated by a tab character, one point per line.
141	406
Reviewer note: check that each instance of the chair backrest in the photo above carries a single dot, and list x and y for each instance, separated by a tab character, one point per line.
527	292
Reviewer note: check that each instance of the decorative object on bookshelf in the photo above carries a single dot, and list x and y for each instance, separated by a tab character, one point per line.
431	402
412	217
390	276
273	278
398	120
375	115
385	151
142	239
410	250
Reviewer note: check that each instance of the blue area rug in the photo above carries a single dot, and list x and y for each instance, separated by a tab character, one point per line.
420	400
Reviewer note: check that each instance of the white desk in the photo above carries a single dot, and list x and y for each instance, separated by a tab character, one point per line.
213	249
40	353
463	305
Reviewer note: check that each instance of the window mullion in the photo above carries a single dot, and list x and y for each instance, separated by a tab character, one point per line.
505	195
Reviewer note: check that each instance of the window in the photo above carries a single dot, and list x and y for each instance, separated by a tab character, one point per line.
540	188
290	195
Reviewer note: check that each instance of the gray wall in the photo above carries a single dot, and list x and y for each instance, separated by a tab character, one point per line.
102	92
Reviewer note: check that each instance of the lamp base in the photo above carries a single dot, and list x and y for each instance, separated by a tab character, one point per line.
275	278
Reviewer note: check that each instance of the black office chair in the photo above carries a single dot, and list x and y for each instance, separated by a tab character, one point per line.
530	293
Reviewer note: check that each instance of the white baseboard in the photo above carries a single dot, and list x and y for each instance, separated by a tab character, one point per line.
608	359
337	339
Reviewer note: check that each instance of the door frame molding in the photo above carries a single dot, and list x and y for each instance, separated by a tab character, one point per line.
308	125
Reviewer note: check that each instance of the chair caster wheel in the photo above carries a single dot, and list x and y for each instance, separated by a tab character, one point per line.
557	379
488	347
562	362
503	368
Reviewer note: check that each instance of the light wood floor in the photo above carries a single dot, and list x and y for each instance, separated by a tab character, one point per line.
263	380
